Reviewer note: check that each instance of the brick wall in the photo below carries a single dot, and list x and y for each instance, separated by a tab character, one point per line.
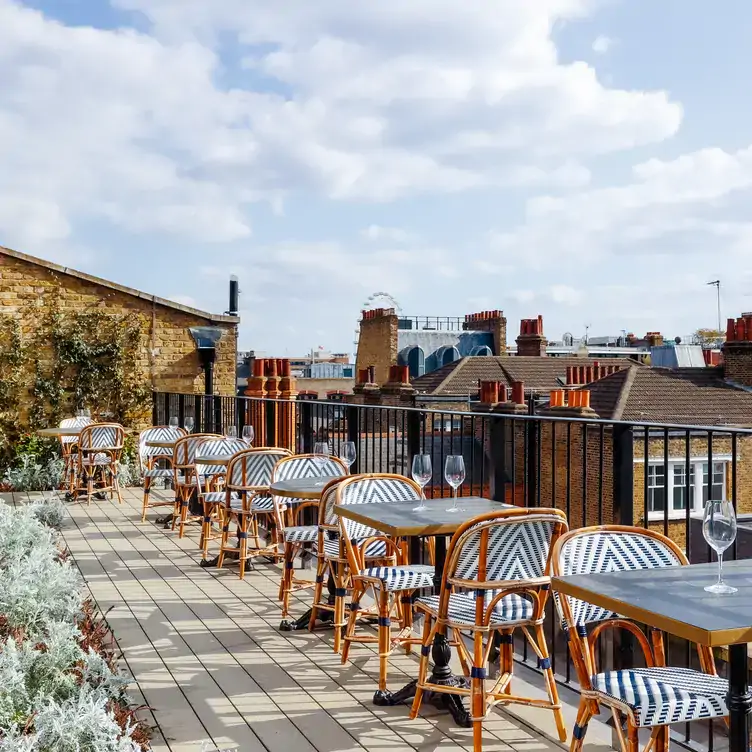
377	343
168	353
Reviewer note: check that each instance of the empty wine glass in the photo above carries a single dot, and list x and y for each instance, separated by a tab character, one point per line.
86	412
174	422
188	425
454	472
347	453
320	452
248	434
231	431
80	412
719	529
422	474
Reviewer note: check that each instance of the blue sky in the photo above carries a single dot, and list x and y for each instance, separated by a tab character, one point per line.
587	160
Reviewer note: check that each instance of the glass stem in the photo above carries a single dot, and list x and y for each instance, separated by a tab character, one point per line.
720	567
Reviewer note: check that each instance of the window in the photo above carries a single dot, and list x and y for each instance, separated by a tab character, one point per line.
684	493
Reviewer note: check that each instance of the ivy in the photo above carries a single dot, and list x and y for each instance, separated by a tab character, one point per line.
65	360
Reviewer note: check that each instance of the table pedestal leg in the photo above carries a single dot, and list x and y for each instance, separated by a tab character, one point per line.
739	699
441	654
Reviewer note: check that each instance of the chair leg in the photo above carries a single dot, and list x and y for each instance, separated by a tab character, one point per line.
242	542
340	595
425	651
254	530
385	630
287	577
478	691
183	516
206	530
358	592
116	484
407	617
147	488
548	674
224	540
584	714
633	741
318	590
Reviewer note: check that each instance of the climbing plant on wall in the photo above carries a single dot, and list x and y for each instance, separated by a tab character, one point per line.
69	359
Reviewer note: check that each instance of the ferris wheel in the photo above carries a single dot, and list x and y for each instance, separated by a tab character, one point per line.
377	300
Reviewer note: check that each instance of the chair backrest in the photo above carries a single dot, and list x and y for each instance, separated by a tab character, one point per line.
73	423
377	488
101	436
609	548
251	469
327	518
221	447
157	433
308	466
510	545
185	448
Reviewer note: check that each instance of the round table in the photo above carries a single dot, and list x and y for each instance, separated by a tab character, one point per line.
161	443
57	432
302	488
215	459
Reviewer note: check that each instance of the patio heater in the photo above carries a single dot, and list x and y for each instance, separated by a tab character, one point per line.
206	338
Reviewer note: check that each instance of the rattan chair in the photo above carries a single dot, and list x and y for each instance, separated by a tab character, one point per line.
289	512
184	472
496	580
149	459
653	697
100	446
246	498
212	476
394	581
68	449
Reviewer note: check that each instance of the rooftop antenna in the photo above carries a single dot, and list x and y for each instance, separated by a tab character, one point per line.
717	284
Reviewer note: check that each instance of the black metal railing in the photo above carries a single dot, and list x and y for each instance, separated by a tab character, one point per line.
432	323
598	472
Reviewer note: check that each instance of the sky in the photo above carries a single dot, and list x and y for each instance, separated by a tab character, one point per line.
586	160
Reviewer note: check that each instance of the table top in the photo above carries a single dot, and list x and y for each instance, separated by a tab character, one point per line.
302	488
399	518
214	459
162	443
674	599
56	432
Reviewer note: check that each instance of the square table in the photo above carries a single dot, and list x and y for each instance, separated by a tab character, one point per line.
674	600
399	519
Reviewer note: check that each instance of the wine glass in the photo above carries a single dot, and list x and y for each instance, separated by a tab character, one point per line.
248	434
719	529
422	474
231	431
320	452
174	422
454	472
347	453
86	412
189	423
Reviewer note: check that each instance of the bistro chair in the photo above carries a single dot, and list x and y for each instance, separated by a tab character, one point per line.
211	479
246	498
100	446
496	581
149	458
394	581
653	697
295	537
186	481
68	447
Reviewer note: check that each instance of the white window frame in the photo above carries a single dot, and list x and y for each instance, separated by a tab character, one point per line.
696	463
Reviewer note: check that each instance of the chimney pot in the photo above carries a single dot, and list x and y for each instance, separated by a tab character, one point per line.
363	376
730	330
585	399
258	367
741	330
518	392
503	395
371	374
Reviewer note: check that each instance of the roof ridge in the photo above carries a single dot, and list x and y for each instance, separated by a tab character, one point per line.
450	372
154	299
626	387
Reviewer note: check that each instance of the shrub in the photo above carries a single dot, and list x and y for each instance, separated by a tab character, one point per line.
28	474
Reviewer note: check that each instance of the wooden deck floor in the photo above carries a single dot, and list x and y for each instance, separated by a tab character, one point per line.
209	660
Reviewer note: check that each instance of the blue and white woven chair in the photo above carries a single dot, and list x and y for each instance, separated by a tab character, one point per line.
496	580
210	488
185	480
394	581
100	446
249	476
68	447
288	512
646	698
149	458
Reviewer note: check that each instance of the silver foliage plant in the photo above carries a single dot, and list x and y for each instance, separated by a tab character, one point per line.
31	475
55	695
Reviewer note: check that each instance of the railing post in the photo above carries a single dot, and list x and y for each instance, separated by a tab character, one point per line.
623	472
306	426
352	416
240	414
198	414
271	423
533	436
497	451
217	415
181	409
154	408
413	427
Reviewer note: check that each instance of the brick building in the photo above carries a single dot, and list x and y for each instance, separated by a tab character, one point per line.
169	357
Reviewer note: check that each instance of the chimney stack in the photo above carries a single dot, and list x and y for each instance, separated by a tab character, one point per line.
737	350
531	341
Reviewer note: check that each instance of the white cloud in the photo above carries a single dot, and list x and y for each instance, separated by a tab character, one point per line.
565	294
378	233
602	44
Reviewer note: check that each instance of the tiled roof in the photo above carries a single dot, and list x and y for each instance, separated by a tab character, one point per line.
688	396
540	374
